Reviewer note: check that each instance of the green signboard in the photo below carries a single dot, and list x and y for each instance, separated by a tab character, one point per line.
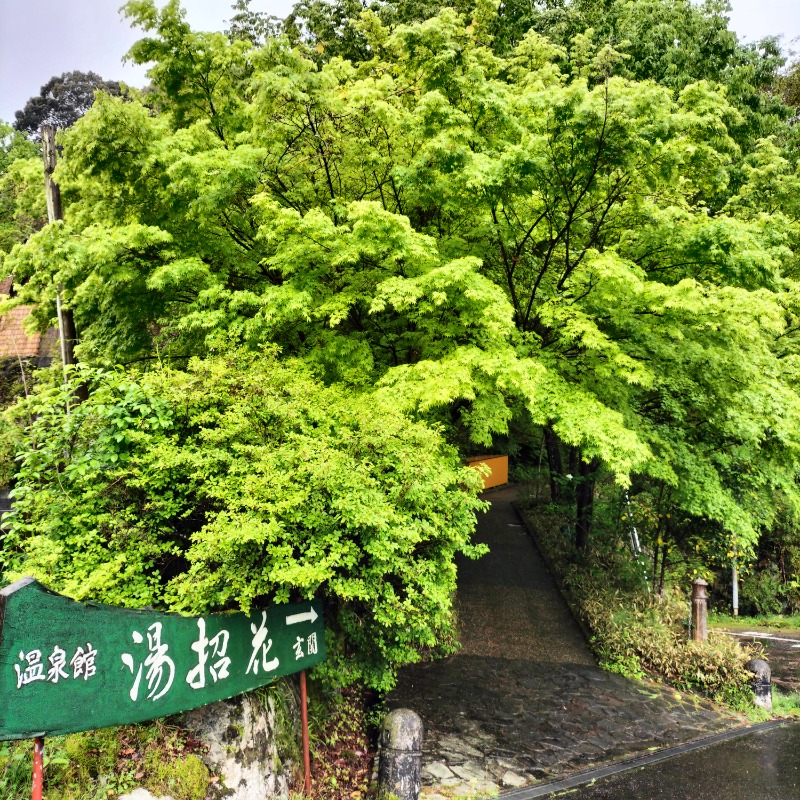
68	666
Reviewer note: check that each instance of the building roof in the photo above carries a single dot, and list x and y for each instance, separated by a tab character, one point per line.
15	342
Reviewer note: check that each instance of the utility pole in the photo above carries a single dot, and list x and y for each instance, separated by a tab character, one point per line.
66	322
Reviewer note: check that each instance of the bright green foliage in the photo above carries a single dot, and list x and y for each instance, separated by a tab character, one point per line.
14	146
241	480
469	224
478	235
671	42
10	442
199	75
22	204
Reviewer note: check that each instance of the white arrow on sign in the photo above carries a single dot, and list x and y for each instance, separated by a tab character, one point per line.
307	616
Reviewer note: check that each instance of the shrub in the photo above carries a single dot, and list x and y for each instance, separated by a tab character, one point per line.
241	480
762	593
638	634
638	637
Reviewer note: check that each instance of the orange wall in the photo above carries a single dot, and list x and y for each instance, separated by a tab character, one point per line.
498	466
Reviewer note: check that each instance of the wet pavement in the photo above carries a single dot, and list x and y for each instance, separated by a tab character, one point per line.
760	765
524	701
781	650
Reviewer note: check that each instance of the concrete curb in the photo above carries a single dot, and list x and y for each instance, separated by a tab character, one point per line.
582	777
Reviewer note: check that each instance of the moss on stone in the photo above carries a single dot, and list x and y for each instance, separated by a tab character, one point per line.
183	778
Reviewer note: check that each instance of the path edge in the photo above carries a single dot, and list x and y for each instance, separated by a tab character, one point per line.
562	590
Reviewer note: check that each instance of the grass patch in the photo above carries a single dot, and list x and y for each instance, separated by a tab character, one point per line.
776	621
785	705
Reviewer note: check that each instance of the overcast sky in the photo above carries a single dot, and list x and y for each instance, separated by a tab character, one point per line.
42	38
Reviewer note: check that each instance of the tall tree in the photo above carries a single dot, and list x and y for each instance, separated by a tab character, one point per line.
252	26
672	42
790	86
62	101
464	231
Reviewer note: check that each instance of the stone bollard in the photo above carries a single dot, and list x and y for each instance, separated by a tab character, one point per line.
699	610
761	682
401	755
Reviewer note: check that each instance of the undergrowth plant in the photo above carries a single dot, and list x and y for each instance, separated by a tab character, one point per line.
342	754
103	764
637	633
786	705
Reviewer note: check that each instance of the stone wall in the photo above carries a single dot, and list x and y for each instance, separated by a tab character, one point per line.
253	741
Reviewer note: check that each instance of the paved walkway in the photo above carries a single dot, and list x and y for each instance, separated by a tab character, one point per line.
524	700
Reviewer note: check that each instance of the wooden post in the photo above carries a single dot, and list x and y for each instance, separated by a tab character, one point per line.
66	322
699	610
38	768
304	724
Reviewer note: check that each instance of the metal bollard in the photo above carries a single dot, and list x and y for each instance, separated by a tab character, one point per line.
761	682
401	755
699	610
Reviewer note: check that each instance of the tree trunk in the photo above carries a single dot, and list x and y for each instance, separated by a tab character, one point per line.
584	496
663	570
66	323
655	564
572	460
573	470
554	464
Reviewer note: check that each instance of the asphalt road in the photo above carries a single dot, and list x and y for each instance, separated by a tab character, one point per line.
763	765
